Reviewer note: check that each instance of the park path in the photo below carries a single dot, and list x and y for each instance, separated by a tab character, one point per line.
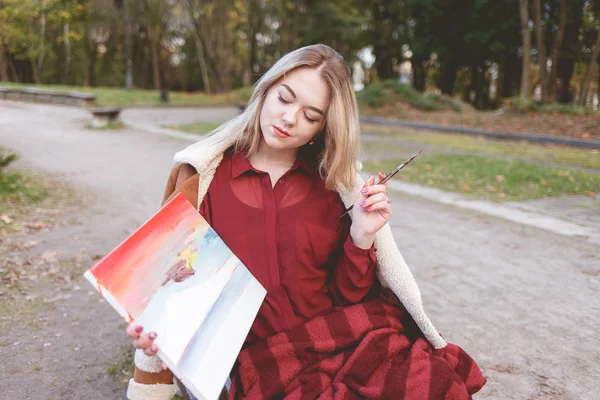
522	301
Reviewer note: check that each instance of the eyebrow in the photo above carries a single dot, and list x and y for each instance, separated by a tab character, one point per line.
294	94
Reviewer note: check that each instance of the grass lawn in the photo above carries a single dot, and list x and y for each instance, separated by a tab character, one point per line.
551	154
482	177
119	96
199	128
14	187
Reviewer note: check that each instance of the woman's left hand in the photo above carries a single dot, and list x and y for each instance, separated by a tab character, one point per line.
370	213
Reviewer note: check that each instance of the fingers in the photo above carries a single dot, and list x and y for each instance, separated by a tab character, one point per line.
372	200
151	351
146	341
370	190
134	331
369	182
383	206
381	176
142	341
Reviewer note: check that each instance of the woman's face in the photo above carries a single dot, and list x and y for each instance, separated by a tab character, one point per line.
294	109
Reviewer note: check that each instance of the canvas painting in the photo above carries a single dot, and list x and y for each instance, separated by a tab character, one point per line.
177	277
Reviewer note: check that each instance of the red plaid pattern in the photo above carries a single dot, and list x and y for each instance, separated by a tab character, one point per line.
371	350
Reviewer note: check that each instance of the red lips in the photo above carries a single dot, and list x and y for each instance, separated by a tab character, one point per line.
280	132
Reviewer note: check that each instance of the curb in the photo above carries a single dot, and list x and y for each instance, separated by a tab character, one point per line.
163	131
508	212
529	137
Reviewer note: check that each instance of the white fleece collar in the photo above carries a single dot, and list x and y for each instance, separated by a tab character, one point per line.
391	269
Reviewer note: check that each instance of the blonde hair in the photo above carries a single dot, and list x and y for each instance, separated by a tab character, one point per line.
336	148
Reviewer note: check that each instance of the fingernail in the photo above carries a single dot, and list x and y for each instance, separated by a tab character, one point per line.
152	335
369	208
139	329
153	348
365	190
362	203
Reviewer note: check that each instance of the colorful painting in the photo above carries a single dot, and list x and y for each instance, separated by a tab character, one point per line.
177	277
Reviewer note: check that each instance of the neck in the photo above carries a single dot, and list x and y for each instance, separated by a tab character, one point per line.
268	155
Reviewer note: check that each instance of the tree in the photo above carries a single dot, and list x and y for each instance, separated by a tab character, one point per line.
585	86
525	78
541	48
548	78
560	34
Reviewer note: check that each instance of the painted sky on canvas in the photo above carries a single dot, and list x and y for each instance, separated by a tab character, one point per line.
136	268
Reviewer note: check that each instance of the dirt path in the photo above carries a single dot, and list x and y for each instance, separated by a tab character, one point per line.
518	299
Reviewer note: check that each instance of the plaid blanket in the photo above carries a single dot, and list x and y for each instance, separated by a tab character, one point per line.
370	350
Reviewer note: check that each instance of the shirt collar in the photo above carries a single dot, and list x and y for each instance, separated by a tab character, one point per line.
240	165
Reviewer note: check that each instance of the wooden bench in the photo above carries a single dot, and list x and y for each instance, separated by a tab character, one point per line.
102	117
48	96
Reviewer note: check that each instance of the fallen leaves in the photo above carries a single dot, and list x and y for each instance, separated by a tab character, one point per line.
5	218
35	226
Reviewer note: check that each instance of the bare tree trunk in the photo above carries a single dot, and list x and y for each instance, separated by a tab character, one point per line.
598	87
3	64
37	65
202	62
13	71
128	62
67	52
525	79
419	73
560	34
541	47
585	87
155	58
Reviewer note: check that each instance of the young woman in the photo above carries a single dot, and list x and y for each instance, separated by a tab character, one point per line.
273	183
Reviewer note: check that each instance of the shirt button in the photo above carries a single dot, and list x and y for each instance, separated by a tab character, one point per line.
281	181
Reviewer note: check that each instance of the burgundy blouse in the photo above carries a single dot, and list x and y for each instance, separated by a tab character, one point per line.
291	238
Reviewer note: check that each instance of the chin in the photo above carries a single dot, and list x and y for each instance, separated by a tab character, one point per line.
275	143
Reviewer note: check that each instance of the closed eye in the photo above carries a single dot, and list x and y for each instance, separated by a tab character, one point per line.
312	121
284	101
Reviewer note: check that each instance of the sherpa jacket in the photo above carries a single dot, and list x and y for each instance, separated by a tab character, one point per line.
192	174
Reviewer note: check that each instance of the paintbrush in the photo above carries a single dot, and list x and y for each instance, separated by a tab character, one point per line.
390	175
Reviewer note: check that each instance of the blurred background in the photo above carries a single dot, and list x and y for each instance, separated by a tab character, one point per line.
498	218
482	51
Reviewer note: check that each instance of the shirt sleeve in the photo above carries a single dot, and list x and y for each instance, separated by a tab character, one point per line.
354	273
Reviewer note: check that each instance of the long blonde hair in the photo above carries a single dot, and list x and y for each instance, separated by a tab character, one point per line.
336	148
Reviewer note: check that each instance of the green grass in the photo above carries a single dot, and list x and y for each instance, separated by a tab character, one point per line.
527	105
199	128
110	126
120	97
14	186
121	369
391	92
491	179
552	154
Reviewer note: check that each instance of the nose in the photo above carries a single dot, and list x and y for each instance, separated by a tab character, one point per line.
289	116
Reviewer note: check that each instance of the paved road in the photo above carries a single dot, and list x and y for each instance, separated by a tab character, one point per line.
522	301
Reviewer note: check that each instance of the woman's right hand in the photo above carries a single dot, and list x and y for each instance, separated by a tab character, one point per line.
142	341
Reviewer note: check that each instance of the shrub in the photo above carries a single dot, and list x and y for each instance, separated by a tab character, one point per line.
391	92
